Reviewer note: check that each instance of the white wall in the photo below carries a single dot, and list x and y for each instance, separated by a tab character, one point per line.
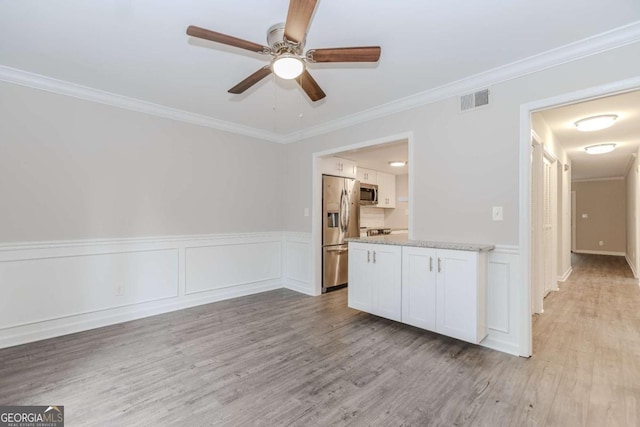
398	217
91	180
632	186
464	163
74	169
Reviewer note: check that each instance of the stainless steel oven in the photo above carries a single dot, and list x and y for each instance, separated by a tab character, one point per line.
368	194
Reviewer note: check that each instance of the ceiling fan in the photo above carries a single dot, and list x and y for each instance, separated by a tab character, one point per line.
286	43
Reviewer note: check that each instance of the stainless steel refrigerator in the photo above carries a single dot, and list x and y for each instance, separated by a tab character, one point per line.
340	219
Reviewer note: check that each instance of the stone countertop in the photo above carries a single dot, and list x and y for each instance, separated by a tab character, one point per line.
401	240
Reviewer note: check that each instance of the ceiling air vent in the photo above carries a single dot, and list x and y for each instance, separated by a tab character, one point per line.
474	100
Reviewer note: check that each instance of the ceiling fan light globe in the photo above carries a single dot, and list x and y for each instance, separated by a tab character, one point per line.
287	67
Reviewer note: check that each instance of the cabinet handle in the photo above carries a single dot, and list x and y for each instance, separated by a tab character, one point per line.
374	257
430	263
439	266
368	256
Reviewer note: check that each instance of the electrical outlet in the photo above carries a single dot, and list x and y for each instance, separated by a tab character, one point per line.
118	290
496	213
306	211
585	216
601	243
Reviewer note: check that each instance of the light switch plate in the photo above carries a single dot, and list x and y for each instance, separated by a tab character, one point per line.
306	211
496	213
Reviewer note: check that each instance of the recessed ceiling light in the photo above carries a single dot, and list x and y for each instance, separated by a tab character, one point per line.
397	163
596	122
600	148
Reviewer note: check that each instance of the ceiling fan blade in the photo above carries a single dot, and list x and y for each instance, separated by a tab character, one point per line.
345	54
202	33
298	19
251	80
310	86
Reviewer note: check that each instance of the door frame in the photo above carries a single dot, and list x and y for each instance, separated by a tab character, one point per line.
524	290
316	202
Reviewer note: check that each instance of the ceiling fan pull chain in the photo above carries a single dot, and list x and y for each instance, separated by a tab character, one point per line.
300	116
274	92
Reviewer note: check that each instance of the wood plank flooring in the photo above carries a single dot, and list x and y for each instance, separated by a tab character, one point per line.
281	358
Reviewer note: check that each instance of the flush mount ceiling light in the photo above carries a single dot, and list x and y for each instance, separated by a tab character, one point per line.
397	163
596	122
287	66
600	148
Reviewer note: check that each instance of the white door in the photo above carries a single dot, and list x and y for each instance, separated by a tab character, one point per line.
573	221
536	227
547	226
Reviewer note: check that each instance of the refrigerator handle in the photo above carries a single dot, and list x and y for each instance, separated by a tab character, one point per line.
344	218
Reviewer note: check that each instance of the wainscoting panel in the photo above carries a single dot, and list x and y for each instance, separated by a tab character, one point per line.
297	262
502	299
48	288
222	266
56	288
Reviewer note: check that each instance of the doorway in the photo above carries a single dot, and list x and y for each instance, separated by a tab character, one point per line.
537	218
346	152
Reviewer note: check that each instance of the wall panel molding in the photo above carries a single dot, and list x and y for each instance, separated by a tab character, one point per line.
57	288
502	299
297	257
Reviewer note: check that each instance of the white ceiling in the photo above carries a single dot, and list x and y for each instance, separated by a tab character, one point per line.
625	133
138	48
378	157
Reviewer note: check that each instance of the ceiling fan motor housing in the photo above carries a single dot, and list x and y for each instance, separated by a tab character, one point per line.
278	43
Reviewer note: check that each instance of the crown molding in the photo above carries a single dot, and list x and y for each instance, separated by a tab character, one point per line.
599	43
49	84
609	40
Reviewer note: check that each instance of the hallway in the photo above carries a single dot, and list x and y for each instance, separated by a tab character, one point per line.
589	340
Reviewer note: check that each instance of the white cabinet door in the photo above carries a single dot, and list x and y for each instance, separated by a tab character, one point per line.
387	274
375	284
360	291
457	293
348	168
367	176
386	190
419	287
338	167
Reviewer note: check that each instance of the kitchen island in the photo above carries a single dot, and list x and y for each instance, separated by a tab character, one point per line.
438	286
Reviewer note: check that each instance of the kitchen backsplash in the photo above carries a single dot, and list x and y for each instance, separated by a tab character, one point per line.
371	217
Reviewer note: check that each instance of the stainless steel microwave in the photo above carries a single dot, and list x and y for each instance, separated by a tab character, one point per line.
368	194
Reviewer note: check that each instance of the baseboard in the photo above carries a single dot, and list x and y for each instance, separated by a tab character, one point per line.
588	252
298	286
503	346
566	275
84	322
633	268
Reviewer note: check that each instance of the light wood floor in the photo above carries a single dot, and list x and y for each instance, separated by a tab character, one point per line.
281	358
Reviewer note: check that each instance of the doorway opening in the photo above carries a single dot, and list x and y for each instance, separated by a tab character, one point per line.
368	165
577	202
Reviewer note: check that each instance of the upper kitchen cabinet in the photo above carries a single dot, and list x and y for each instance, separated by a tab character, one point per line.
386	190
338	167
367	176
